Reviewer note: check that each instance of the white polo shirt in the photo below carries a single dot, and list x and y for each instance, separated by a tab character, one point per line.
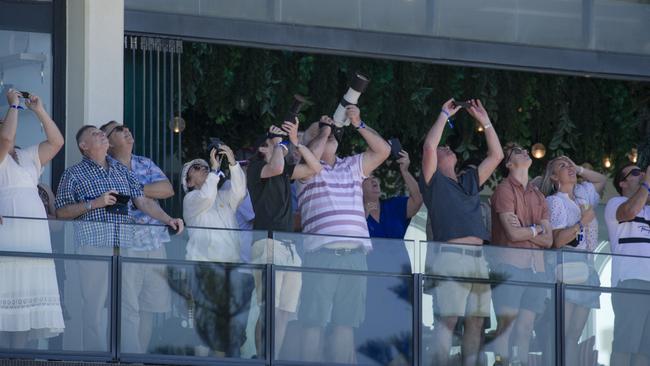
630	238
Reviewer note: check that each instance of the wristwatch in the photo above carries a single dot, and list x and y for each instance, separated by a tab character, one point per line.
88	205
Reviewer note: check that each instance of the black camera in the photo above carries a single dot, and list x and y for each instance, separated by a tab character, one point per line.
215	143
294	111
25	94
121	206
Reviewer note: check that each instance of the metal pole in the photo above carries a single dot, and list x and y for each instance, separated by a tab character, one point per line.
559	316
171	107
157	101
179	47
143	43
151	119
134	47
164	107
417	319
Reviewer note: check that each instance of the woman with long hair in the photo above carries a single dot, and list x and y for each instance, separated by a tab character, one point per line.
574	223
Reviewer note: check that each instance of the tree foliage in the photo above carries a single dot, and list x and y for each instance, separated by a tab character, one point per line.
236	93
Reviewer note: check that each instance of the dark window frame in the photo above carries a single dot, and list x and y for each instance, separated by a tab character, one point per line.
44	17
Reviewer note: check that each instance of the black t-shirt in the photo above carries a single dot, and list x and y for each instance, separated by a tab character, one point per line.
271	197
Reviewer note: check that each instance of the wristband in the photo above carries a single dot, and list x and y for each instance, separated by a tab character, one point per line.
283	144
580	170
361	125
451	125
486	127
532	228
16	106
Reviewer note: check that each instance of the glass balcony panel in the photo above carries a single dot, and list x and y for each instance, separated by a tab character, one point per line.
195	309
343	299
52	305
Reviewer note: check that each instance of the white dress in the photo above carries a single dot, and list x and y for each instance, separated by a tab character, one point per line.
29	294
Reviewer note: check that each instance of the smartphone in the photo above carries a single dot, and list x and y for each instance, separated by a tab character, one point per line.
395	148
24	94
464	104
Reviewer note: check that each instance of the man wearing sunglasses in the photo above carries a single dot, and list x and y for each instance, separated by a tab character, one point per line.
520	219
628	223
144	290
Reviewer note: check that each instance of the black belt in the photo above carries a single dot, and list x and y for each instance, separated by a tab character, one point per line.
473	253
341	251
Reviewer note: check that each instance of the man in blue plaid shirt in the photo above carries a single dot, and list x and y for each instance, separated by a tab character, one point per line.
88	192
145	289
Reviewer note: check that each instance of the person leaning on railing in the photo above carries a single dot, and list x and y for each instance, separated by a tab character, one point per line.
520	219
30	306
89	192
571	205
628	224
454	207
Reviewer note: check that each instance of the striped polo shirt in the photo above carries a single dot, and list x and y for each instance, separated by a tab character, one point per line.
331	203
630	238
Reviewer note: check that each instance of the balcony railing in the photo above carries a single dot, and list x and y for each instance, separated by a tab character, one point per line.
138	303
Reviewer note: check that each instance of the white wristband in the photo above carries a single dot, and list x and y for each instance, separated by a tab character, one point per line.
487	126
580	170
532	228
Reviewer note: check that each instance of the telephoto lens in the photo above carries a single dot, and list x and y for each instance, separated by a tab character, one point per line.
358	86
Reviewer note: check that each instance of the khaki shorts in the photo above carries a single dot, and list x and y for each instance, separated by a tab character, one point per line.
144	285
287	283
454	298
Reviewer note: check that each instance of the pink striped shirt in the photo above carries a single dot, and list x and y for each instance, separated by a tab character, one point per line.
331	203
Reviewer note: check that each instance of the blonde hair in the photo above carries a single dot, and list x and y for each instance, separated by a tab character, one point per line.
547	186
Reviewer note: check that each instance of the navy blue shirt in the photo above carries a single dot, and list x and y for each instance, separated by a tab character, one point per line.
392	219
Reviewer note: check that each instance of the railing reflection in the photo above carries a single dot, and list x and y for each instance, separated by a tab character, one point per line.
302	299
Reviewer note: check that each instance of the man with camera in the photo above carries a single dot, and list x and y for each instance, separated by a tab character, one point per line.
454	209
144	290
269	179
101	190
331	203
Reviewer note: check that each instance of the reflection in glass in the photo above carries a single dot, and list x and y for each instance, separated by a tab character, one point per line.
211	302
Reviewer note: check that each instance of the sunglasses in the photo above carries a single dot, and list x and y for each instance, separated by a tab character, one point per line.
517	151
118	129
634	172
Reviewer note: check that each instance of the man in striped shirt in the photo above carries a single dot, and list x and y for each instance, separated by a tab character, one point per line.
331	203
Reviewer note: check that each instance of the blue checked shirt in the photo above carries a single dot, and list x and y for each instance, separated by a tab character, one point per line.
147	237
88	180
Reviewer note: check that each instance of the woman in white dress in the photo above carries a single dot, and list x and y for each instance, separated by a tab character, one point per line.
571	205
30	306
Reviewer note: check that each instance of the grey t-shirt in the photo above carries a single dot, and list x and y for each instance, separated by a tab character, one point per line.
454	207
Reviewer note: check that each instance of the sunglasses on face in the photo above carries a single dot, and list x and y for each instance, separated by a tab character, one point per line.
118	129
634	172
516	151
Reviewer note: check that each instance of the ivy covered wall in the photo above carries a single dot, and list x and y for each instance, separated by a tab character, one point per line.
236	93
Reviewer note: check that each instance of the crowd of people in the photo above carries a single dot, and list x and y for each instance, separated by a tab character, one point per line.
301	175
